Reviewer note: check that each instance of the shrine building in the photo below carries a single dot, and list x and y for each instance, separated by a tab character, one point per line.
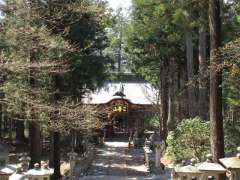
130	103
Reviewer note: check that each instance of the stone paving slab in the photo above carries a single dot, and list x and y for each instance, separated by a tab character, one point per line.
159	177
114	161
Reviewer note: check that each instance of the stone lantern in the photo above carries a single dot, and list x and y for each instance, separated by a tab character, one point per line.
18	175
3	155
148	157
39	173
24	161
232	164
189	172
211	169
72	159
5	169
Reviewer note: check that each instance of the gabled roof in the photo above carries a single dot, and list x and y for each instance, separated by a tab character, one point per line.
136	93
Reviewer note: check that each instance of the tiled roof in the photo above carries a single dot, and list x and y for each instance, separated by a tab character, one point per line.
136	93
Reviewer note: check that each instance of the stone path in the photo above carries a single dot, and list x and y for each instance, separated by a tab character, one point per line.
115	161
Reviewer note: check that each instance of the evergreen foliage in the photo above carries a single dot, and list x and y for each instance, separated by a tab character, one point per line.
153	122
190	139
47	69
231	135
83	25
29	57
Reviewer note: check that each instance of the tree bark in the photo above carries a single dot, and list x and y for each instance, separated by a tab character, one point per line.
1	120
171	96
20	137
180	104
55	154
55	136
190	69
216	119
203	78
164	101
35	145
34	126
73	139
10	130
183	92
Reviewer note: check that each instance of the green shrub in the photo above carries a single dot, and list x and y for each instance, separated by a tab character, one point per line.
190	139
153	122
231	135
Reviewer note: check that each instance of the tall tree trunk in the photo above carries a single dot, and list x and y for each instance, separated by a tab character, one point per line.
10	130
190	69
34	126
55	136
54	157
20	137
1	120
35	145
171	96
203	92
55	154
183	92
73	139
216	119
164	101
120	52
178	112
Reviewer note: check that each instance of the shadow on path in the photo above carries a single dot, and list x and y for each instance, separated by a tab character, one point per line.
115	159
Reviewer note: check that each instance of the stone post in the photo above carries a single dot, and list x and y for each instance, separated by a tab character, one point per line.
158	156
238	158
91	152
159	145
147	143
72	159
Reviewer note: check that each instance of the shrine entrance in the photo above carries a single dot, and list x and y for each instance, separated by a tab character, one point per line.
118	119
124	117
120	124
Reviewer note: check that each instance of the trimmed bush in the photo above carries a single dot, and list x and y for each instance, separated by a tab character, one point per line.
190	139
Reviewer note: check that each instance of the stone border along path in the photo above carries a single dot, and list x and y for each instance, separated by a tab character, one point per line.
114	161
